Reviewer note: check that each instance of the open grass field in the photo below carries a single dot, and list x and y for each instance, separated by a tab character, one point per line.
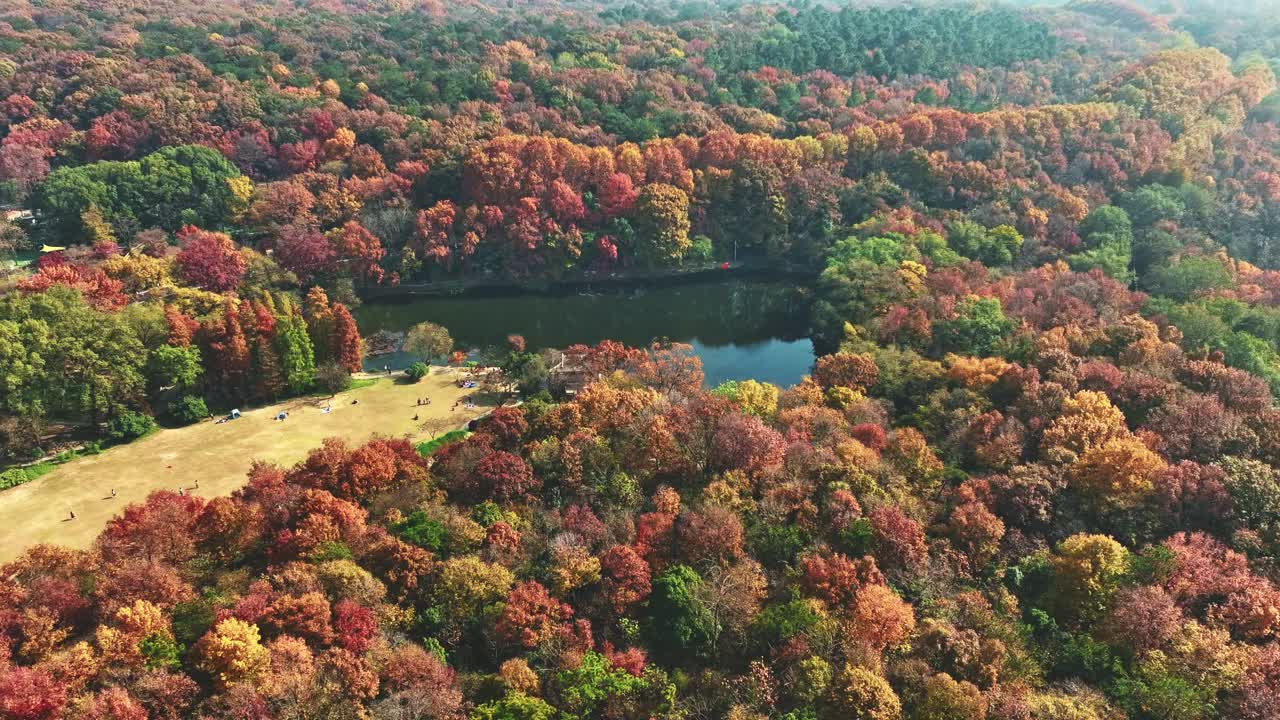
217	457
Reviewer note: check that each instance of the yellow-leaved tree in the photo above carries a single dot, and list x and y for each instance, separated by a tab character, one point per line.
232	652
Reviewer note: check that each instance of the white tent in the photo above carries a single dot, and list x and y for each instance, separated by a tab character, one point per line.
235	413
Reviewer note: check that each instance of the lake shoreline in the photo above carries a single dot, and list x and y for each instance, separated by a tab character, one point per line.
742	324
509	287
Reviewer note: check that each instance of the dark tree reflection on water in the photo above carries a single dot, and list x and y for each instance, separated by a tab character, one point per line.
741	329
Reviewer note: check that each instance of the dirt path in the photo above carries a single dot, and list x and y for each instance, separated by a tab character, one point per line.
217	457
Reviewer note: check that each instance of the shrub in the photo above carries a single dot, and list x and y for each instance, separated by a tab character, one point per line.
13	477
129	425
16	476
43	468
189	409
417	371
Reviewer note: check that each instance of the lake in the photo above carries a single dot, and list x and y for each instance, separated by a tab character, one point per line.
741	328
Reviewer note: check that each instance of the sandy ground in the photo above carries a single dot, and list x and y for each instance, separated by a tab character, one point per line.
218	457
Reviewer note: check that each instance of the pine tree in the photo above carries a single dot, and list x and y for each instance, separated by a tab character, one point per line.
297	356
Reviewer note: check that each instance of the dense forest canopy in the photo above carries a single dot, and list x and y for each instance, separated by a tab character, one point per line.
1034	473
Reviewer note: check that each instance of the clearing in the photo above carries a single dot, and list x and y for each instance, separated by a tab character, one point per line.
217	457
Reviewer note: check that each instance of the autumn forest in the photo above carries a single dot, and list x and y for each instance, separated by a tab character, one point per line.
1032	474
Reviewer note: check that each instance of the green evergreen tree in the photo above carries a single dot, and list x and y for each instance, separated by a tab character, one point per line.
297	356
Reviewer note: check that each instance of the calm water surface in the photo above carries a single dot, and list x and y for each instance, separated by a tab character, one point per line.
741	329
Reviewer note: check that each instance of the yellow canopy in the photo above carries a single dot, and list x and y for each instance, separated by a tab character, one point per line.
51	248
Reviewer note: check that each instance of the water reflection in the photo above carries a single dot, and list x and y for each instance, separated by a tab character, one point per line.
741	328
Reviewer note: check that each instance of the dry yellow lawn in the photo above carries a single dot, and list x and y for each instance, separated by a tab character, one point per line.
217	457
